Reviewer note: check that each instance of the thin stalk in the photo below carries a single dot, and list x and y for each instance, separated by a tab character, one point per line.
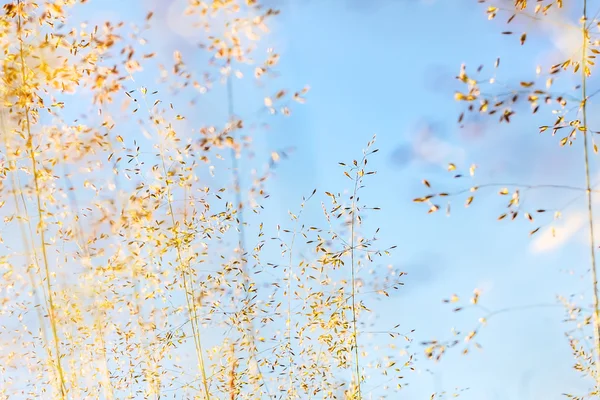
192	310
237	182
232	388
27	251
191	302
16	183
289	318
289	310
185	273
353	277
98	314
141	331
135	289
241	229
290	250
51	311
596	312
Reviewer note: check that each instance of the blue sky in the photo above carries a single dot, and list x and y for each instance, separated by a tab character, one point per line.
387	68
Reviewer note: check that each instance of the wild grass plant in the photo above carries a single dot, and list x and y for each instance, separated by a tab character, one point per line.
134	260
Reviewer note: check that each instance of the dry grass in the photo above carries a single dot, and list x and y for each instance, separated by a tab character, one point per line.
130	276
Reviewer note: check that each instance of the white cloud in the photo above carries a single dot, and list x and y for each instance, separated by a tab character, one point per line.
563	232
434	150
566	35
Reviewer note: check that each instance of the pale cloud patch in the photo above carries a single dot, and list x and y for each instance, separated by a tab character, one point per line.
558	25
188	28
485	286
547	240
428	148
184	26
573	226
564	33
433	150
585	239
